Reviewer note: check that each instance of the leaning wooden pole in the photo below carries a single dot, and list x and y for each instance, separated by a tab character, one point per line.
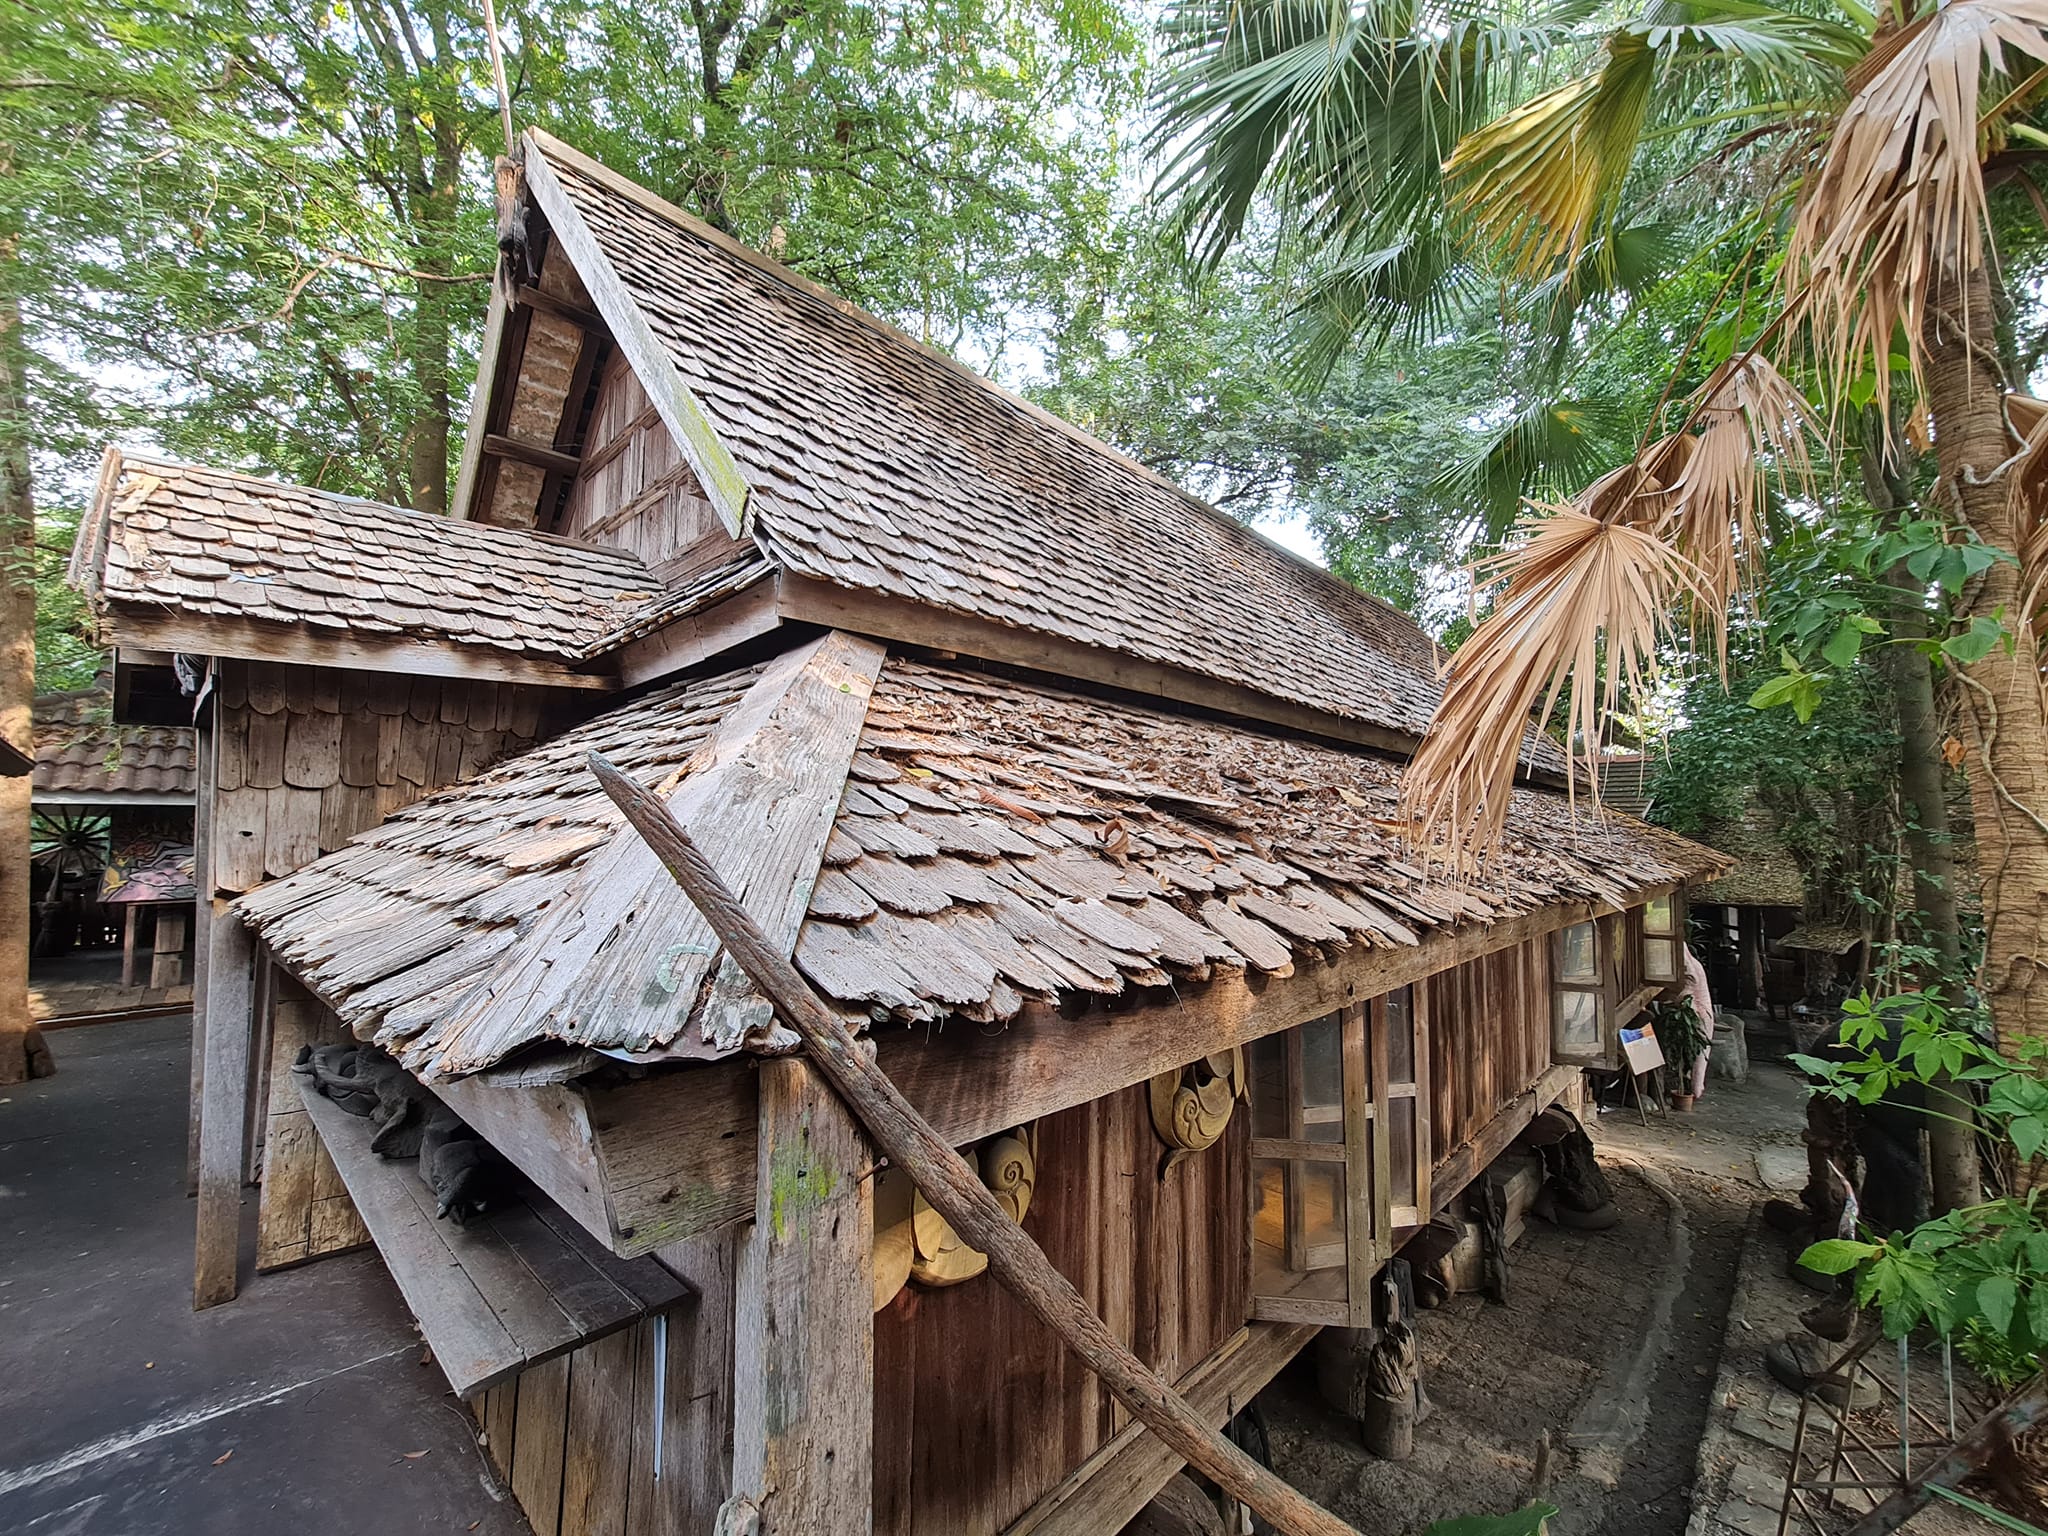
954	1191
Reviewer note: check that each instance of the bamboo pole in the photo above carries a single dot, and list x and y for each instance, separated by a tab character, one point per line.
952	1188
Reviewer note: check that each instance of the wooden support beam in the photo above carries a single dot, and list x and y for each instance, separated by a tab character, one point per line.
1111	1486
254	640
804	1337
224	1104
717	470
954	1189
202	929
167	958
672	1155
539	298
131	916
498	446
1464	1164
804	600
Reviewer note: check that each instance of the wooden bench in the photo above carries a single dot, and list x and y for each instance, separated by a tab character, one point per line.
515	1287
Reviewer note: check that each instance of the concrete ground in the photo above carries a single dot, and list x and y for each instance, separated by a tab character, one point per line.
303	1405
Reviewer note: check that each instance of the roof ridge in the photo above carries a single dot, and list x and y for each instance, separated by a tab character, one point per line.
652	202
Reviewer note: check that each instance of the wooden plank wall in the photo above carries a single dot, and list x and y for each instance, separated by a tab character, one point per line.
636	491
305	1213
979	1411
307	757
574	1438
304	759
1489	1039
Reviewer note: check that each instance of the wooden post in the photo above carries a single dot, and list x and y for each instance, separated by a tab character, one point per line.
202	926
229	1020
131	915
955	1190
804	1337
167	960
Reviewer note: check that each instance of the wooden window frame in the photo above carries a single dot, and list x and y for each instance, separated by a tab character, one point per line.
1363	1155
1386	1089
1600	987
1675	934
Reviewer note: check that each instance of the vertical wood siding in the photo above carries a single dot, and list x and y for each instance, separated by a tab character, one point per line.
1489	1039
979	1410
304	1211
636	491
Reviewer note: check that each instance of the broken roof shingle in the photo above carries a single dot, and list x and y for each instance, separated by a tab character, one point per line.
81	752
215	544
997	842
874	463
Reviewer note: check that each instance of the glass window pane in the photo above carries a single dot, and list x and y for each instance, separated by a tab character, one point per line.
1660	962
1578	1022
1322	1212
1400	1038
1657	915
1266	1066
1322	1062
1269	1225
1401	1140
1576	954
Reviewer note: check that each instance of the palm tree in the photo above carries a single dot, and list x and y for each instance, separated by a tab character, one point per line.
1860	148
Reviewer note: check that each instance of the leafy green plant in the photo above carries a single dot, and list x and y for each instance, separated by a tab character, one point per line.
1681	1035
1978	1275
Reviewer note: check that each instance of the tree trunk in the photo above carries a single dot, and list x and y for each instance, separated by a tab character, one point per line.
17	678
2004	720
1952	1143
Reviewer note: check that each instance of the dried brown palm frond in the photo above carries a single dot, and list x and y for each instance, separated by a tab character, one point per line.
1751	415
1674	528
1572	579
1898	203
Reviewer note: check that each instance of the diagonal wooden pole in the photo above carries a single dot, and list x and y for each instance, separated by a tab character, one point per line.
952	1188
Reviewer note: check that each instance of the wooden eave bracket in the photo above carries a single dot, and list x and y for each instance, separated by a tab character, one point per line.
709	457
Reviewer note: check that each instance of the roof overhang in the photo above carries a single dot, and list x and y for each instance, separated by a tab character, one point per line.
140	628
112	799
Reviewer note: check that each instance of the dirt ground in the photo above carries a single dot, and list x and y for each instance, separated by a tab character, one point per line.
1609	1342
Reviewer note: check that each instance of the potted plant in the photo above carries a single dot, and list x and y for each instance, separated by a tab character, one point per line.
1683	1040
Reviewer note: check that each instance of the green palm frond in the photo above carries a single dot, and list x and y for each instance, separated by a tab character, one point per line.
1560	441
1347	110
1543	181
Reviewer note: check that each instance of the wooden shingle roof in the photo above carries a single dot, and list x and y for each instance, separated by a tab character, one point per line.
996	842
213	545
870	462
82	754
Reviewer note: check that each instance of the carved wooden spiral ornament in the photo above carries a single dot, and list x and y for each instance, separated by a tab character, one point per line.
935	1254
1192	1105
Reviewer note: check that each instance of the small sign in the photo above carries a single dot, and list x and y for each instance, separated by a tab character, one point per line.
1642	1050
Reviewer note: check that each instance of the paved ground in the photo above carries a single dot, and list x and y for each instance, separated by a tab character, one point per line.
1610	1343
300	1406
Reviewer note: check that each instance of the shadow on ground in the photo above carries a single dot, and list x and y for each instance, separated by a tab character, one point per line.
303	1405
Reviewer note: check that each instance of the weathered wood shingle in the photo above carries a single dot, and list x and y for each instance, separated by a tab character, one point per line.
213	544
875	464
996	842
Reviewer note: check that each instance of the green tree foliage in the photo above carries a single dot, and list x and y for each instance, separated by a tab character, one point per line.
260	235
1978	1274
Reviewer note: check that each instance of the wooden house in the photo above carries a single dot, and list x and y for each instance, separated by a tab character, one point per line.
1073	795
117	798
